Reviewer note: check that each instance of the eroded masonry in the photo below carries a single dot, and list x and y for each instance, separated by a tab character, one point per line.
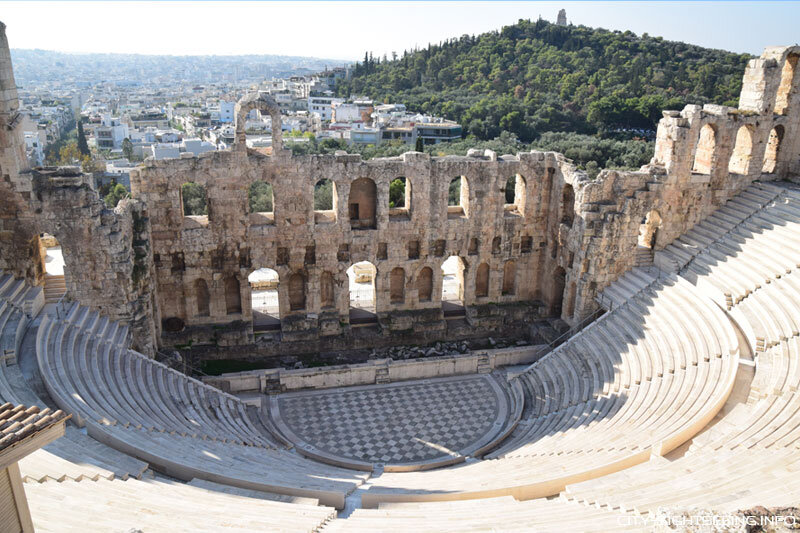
525	235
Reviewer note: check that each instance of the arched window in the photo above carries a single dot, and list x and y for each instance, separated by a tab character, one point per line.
260	198
202	296
787	81
704	153
773	150
496	242
509	277
194	200
397	285
362	204
425	284
515	195
458	197
399	197
326	289
482	281
297	292
742	151
233	296
325	201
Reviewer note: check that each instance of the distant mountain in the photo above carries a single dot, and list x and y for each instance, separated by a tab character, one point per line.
535	76
36	66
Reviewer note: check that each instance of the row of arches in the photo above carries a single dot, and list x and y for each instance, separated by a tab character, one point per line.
362	202
362	279
741	158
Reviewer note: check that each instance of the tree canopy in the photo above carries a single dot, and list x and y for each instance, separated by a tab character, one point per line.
589	152
194	199
533	77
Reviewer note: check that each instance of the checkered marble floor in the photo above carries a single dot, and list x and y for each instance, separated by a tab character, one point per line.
397	423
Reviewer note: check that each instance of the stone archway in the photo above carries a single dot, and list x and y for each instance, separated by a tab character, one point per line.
264	103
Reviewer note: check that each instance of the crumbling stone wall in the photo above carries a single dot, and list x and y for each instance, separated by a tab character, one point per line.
106	252
308	250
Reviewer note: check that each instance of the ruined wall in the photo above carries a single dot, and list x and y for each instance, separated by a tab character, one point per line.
297	241
106	252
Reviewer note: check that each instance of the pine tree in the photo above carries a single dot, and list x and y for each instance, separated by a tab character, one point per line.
83	146
419	146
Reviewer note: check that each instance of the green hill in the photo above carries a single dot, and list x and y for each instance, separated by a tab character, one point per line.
534	77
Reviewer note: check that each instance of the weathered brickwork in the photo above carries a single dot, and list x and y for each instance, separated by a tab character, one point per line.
563	239
518	244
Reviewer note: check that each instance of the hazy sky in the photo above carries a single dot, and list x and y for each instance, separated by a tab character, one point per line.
344	30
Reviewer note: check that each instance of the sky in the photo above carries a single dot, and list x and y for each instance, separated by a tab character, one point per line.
345	30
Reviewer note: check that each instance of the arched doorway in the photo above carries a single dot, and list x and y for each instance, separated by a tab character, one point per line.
704	152
264	297
453	286
773	150
482	281
509	278
425	284
297	292
397	286
55	285
361	280
233	296
742	151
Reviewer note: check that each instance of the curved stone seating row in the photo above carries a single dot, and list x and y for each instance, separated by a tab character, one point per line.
101	380
627	286
159	505
669	357
97	325
773	312
639	349
676	255
142	408
493	514
724	482
74	456
750	456
734	256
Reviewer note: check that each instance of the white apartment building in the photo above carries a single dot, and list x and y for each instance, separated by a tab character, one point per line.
111	132
322	105
226	112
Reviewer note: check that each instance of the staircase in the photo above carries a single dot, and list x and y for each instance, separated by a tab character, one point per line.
382	375
54	288
644	257
484	365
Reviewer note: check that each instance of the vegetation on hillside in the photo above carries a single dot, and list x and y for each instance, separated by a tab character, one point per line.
534	77
589	152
